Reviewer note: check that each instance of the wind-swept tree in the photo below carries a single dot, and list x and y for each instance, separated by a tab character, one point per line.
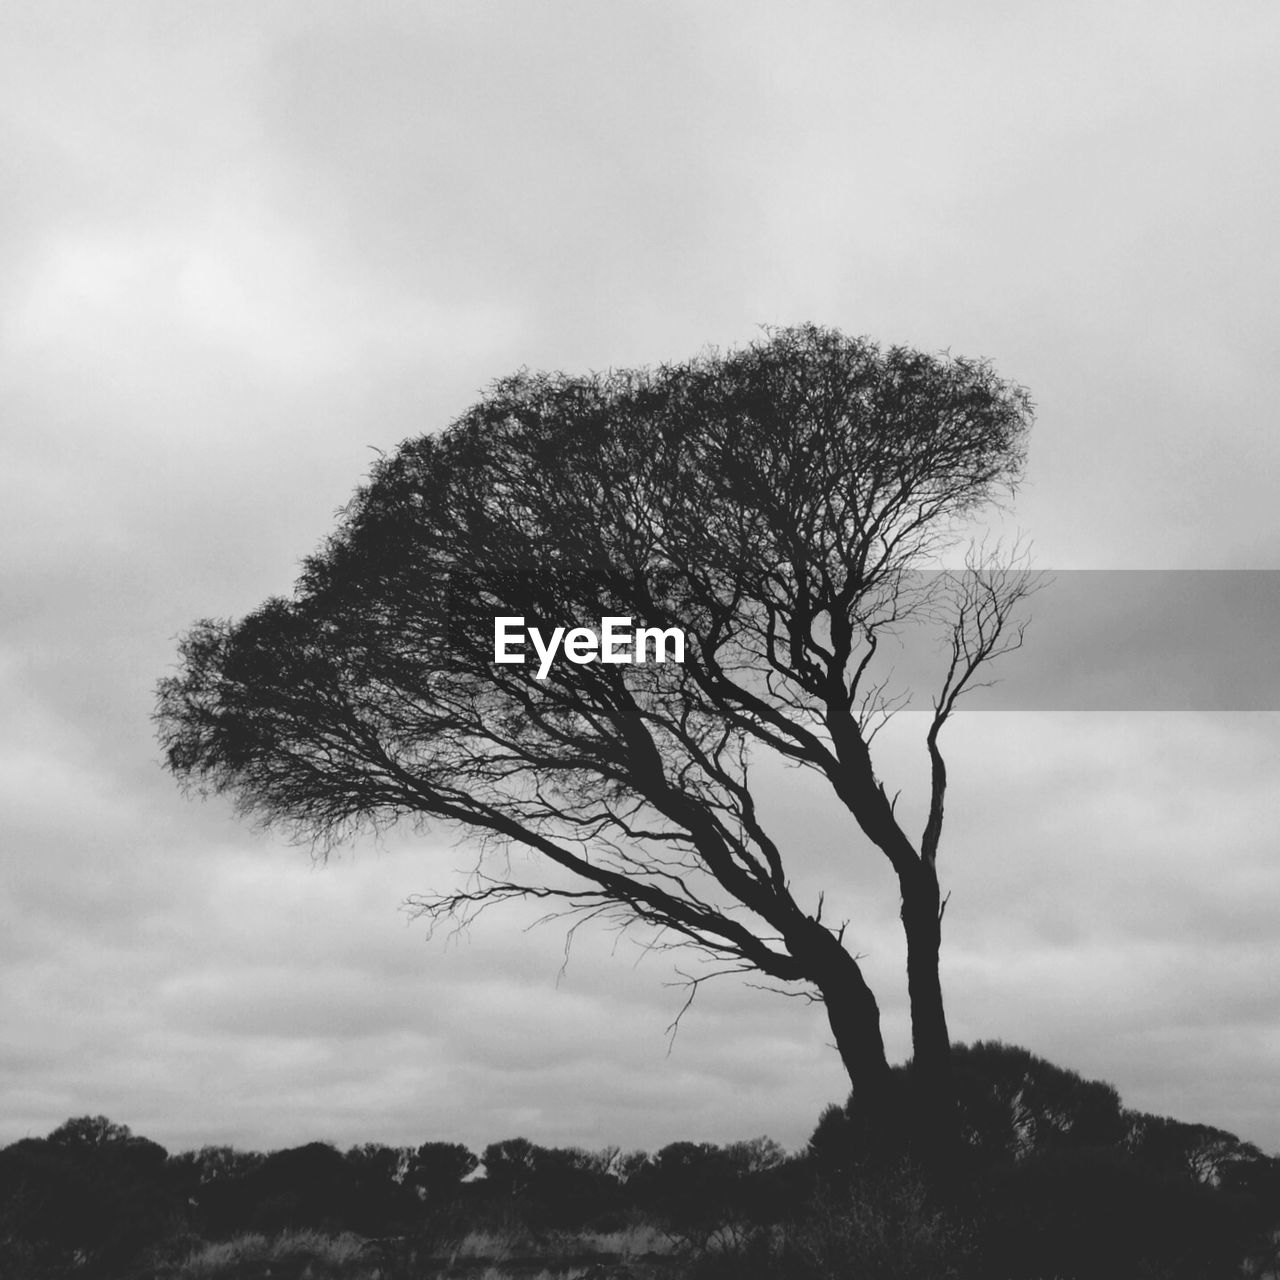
777	504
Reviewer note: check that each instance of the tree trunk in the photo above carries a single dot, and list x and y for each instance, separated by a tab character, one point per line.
854	1017
935	1123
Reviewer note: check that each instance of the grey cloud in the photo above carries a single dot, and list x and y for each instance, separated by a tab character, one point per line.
245	245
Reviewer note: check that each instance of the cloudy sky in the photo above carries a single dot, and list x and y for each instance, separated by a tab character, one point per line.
243	246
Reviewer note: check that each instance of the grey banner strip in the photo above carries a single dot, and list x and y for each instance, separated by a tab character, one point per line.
1122	640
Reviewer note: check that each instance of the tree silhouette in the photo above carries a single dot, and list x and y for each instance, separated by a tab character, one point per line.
775	504
1206	1154
1013	1102
91	1188
436	1168
510	1165
90	1133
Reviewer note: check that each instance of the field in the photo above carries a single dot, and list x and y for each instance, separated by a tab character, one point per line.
637	1253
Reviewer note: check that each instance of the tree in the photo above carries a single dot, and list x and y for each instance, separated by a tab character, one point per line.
90	1188
437	1168
1205	1154
380	1197
307	1186
510	1165
1013	1103
209	1165
777	505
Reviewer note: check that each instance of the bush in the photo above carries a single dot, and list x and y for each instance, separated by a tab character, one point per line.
90	1194
884	1227
298	1252
1098	1214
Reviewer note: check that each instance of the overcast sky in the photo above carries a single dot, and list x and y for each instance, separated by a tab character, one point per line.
243	246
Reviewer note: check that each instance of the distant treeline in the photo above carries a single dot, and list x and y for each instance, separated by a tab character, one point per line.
1055	1171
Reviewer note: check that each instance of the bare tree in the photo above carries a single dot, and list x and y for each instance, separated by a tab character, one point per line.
777	505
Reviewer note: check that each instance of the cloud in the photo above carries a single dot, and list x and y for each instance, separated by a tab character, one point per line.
245	247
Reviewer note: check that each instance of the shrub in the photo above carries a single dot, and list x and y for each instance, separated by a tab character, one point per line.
90	1194
319	1256
884	1227
1101	1215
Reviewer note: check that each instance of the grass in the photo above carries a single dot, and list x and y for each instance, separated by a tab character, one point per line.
309	1253
639	1241
492	1245
491	1254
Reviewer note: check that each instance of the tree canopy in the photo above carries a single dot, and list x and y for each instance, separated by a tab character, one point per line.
776	504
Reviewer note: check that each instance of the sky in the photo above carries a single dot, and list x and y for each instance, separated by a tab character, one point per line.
244	248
